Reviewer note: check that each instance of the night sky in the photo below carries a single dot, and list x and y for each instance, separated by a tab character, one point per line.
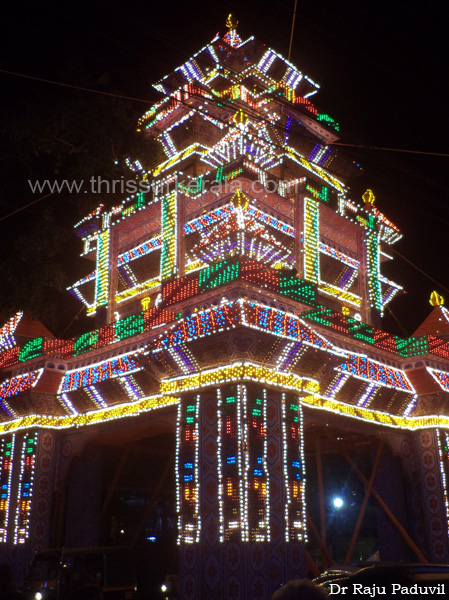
382	68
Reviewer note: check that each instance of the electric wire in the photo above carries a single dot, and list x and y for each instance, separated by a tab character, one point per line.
74	87
292	31
261	119
420	270
14	212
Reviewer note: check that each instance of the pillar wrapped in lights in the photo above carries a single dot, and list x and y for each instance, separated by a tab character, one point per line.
294	472
245	475
25	489
187	470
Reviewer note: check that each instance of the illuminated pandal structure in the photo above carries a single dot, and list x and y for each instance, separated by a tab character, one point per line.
240	294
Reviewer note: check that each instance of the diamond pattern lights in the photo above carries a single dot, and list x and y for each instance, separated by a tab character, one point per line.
363	368
231	314
88	376
19	384
7	340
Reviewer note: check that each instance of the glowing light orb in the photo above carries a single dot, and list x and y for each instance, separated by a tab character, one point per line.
337	502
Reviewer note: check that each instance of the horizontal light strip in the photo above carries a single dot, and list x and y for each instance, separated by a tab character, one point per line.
375	416
90	418
243	371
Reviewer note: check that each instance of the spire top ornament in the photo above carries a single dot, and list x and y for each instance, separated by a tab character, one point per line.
369	197
231	22
436	299
232	37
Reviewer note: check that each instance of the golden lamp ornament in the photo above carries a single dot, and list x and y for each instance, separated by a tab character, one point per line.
436	299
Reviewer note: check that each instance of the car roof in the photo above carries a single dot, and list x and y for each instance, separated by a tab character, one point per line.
362	572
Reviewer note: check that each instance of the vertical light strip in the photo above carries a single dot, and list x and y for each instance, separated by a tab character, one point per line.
244	497
242	437
220	465
187	471
255	448
311	240
285	468
265	466
169	230
443	454
373	268
25	489
179	487
303	473
293	458
231	463
102	281
6	465
197	469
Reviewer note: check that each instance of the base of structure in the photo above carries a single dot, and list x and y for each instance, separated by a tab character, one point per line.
238	571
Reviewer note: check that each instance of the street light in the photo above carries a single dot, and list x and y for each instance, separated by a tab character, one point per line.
337	502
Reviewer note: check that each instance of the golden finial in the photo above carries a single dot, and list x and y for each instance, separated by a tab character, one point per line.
231	22
145	302
369	197
240	200
436	299
240	117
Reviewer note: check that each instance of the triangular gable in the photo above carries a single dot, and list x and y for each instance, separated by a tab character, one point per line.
7	332
437	323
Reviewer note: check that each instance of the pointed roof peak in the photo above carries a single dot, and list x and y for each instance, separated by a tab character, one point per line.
7	339
437	323
23	326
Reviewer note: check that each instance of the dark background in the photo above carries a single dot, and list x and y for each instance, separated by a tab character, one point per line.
383	72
